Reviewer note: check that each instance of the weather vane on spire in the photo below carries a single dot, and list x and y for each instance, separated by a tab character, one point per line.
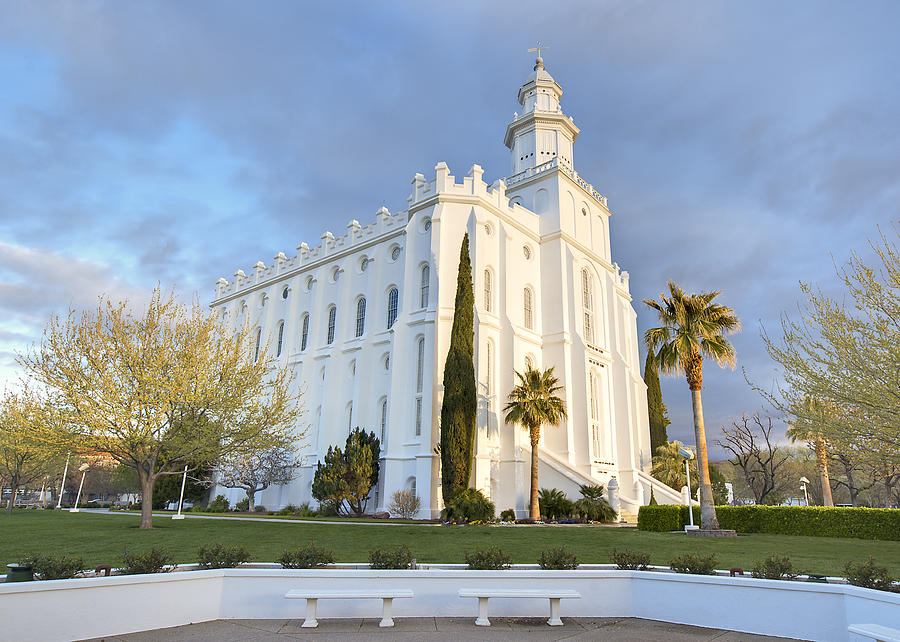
540	46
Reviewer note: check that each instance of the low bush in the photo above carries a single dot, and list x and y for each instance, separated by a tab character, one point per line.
259	509
869	575
469	505
218	505
813	521
554	504
774	568
509	515
222	556
628	560
242	506
156	560
310	556
593	506
558	559
405	504
491	559
50	567
391	558
694	564
290	509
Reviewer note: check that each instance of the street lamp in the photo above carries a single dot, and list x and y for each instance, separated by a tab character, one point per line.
181	497
688	456
803	482
62	487
83	470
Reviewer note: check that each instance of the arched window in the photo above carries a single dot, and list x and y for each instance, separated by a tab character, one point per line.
304	332
528	308
423	296
258	342
360	316
412	485
587	301
332	315
350	416
393	297
420	377
529	362
489	365
488	295
384	410
280	343
594	393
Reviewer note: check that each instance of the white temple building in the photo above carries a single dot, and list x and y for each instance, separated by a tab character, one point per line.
364	319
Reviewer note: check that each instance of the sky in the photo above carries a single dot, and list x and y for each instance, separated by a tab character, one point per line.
744	147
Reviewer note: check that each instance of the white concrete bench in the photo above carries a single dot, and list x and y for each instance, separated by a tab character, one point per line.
875	632
484	594
312	599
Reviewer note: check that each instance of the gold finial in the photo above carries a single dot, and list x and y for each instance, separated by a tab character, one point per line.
540	46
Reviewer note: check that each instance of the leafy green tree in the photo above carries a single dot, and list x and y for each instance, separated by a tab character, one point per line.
532	403
458	412
346	477
659	416
668	467
693	327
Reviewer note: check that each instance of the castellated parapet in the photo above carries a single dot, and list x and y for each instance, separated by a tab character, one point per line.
385	223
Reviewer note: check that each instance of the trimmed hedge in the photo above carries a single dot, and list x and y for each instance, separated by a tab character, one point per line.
814	521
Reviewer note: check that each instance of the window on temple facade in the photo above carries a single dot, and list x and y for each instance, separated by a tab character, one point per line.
258	342
304	332
488	294
420	381
332	316
393	297
360	316
423	296
528	310
280	343
587	300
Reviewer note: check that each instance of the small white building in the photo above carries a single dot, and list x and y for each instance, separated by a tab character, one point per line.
364	319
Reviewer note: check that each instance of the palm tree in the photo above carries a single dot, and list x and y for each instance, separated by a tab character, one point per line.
668	467
811	415
532	403
692	326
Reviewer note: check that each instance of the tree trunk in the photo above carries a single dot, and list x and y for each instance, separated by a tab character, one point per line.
251	503
708	519
822	465
12	499
535	507
146	498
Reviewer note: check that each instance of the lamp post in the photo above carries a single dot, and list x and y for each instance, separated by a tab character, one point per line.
62	486
83	470
688	456
181	497
803	482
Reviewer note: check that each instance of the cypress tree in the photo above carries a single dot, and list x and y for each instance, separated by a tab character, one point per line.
659	417
460	403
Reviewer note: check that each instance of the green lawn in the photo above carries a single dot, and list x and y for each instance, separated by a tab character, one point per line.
103	538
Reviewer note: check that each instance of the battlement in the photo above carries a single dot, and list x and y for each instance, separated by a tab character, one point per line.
566	168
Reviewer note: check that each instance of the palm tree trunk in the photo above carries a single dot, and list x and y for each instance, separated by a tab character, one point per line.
822	465
535	507
708	519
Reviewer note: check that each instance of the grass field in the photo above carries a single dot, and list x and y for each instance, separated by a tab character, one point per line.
101	539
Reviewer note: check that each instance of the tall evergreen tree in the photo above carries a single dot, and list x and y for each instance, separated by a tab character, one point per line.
659	416
460	403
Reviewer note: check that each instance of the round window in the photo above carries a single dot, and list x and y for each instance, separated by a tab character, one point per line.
527	252
364	264
309	283
285	292
488	229
427	224
335	274
395	253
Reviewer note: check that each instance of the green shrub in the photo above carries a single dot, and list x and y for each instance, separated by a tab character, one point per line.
50	567
694	564
660	519
290	509
310	556
469	505
628	560
593	506
509	515
303	510
390	558
218	505
774	568
813	521
242	506
554	504
558	559
222	556
156	560
492	559
259	509
869	575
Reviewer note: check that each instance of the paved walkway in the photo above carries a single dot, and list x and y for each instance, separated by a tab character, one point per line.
624	629
258	520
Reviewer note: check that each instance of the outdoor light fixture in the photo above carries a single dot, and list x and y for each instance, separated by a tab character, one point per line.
83	470
688	456
62	487
803	482
181	497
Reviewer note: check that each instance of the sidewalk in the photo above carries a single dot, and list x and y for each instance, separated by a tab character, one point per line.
440	629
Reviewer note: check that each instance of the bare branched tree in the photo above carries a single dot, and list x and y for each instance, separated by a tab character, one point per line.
755	453
255	472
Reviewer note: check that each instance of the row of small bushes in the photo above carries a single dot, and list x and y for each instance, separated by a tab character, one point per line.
816	521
